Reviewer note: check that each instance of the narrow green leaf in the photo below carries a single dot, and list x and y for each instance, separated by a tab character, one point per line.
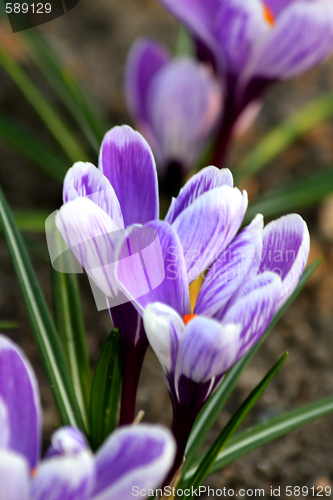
67	88
216	402
8	325
220	443
293	196
105	391
69	323
31	220
42	107
184	43
285	134
41	323
254	437
25	143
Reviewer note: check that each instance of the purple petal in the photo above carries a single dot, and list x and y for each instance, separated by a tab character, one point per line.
92	236
207	349
14	476
208	225
198	15
4	425
23	403
164	328
184	104
145	60
240	26
277	6
127	161
85	180
67	441
64	478
301	39
253	309
163	279
208	178
137	456
285	251
238	262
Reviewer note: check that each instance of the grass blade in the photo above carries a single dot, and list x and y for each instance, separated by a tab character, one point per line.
41	323
8	325
105	391
216	402
220	443
67	88
295	196
42	107
250	439
22	141
69	324
285	134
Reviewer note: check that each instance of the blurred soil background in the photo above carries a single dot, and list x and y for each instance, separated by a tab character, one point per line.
93	40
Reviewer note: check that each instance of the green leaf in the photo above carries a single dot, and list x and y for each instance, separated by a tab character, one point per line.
292	197
254	437
8	325
41	323
285	134
184	43
25	143
42	107
69	324
105	391
67	88
216	402
220	443
31	220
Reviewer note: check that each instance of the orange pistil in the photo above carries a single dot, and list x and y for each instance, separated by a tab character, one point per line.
268	15
33	473
188	317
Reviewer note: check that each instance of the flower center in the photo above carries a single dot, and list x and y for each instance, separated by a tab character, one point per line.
33	473
268	15
188	317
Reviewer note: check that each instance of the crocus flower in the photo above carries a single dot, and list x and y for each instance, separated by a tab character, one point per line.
102	202
254	42
251	278
99	203
133	456
175	104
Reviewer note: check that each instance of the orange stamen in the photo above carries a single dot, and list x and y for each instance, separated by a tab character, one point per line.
33	473
188	317
268	15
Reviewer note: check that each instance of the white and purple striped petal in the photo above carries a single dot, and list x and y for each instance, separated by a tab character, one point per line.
301	38
64	478
85	180
208	178
184	103
145	60
240	261
286	249
137	456
14	476
67	441
208	225
155	270
92	236
4	425
128	163
164	328
253	309
20	394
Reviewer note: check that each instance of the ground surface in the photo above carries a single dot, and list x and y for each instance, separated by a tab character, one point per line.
94	39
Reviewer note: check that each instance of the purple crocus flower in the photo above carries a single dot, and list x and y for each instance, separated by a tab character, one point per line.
99	203
251	278
255	42
175	104
136	456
